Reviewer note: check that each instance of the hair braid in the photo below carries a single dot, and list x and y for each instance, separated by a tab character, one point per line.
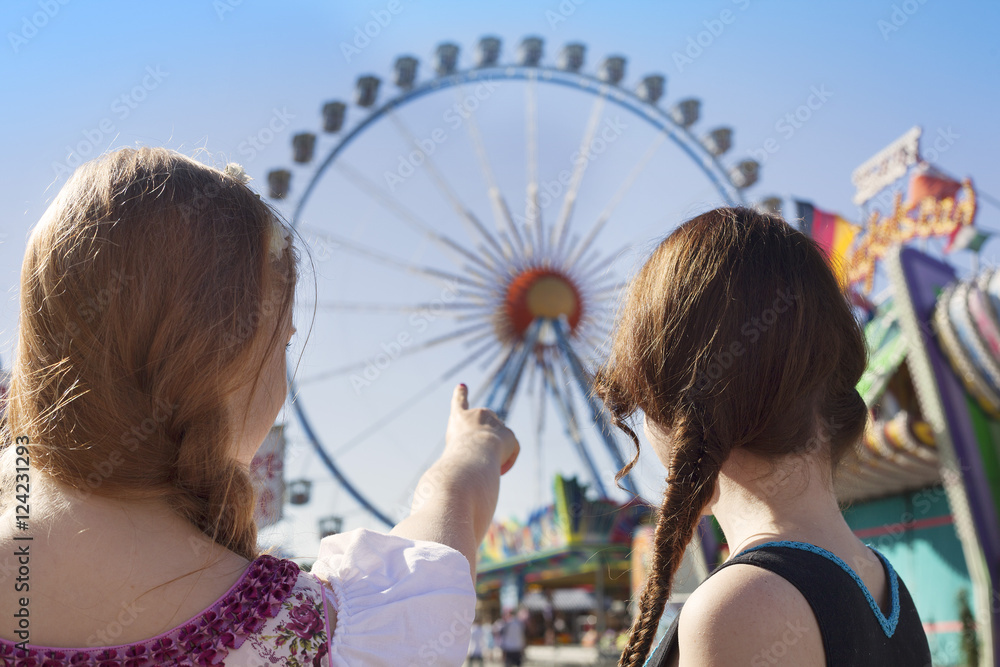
734	334
216	496
690	484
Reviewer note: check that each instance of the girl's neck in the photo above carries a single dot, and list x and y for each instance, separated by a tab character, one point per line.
759	501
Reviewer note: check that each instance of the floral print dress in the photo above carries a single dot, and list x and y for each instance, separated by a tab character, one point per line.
397	602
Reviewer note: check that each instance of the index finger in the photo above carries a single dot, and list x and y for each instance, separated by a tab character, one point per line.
460	398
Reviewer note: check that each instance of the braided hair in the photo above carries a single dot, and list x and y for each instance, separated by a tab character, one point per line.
735	333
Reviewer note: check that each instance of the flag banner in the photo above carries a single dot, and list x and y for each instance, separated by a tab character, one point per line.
834	234
929	182
966	238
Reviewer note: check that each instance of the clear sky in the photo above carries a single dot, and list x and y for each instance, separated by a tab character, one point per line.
234	80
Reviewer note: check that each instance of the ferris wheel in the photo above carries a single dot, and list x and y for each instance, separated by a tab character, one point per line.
479	224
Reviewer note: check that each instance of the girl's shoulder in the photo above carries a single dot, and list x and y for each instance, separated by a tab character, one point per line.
745	614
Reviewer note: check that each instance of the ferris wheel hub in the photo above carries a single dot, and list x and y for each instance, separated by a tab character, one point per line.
538	293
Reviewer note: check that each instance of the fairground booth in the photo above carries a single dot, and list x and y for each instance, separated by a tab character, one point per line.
568	565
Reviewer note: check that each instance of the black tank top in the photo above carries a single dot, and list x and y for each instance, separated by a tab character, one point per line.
855	631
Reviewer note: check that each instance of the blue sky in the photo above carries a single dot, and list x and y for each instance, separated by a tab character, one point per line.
210	77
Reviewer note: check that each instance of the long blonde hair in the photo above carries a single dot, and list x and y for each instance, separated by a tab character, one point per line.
149	295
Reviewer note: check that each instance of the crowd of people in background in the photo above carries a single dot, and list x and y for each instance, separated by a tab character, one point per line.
505	640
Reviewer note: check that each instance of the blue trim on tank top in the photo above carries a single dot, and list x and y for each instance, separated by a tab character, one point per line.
888	624
653	651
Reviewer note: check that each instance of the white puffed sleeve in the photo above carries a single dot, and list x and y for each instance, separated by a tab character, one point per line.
398	601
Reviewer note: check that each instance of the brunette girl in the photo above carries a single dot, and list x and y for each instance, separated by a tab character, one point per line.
742	353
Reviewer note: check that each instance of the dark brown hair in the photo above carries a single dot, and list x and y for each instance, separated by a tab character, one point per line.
151	292
735	333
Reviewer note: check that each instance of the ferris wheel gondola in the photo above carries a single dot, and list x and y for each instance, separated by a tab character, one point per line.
527	298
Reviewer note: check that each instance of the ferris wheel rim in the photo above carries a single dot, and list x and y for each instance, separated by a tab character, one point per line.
657	117
649	111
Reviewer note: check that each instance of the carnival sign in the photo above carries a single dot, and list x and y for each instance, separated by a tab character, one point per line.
886	166
921	219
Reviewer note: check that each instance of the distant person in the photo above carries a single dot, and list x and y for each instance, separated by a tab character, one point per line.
477	644
155	306
740	349
512	640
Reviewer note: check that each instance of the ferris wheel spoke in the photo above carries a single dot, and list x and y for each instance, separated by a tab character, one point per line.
598	412
393	205
501	212
565	409
596	343
505	386
569	201
591	328
436	275
487	360
601	293
401	308
539	431
617	198
405	352
532	211
476	226
602	265
402	407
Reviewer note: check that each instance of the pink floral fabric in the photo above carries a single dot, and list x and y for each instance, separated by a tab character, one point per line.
398	602
273	614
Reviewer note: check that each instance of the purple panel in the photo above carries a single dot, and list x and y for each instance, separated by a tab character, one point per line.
925	278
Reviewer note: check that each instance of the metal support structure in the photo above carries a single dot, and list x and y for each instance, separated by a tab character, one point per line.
600	418
573	431
502	394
